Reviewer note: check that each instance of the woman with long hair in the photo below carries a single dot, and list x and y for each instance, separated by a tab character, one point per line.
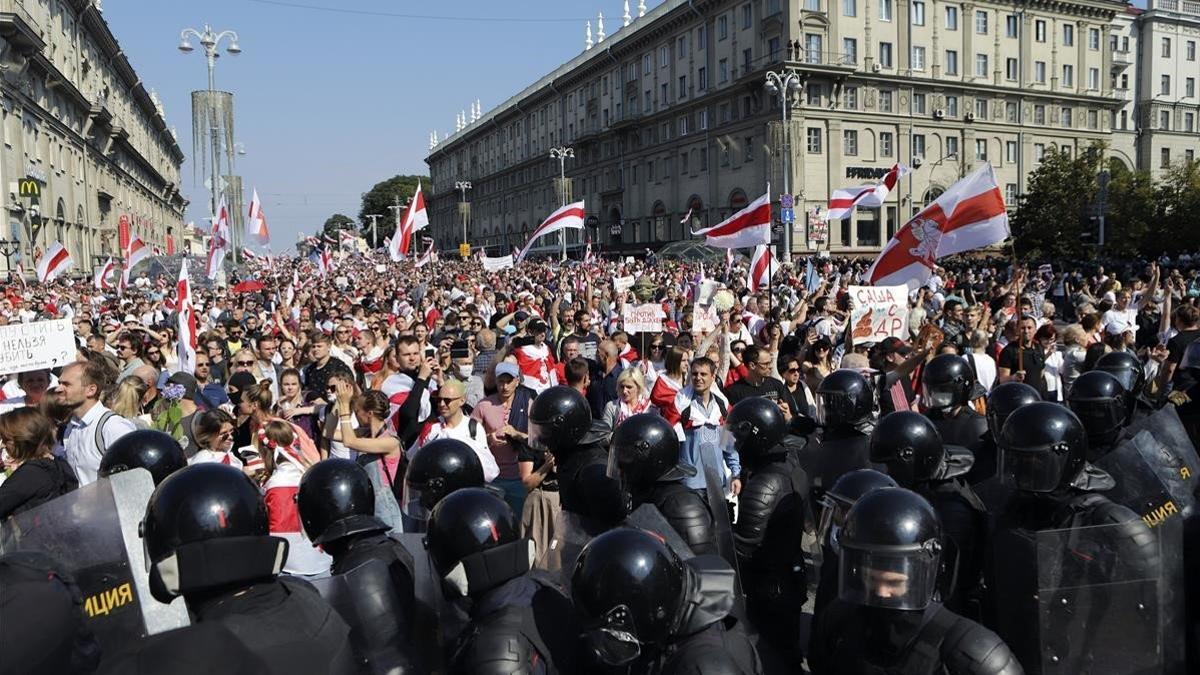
292	404
213	430
632	398
279	446
127	401
27	437
378	447
818	362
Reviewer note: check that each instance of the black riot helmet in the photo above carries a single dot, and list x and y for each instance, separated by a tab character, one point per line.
946	382
645	450
910	445
439	468
475	543
890	551
1101	403
146	449
847	490
336	499
629	588
846	398
757	426
1043	446
1004	399
201	515
1126	367
558	419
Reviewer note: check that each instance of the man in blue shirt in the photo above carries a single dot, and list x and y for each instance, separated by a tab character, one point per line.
702	417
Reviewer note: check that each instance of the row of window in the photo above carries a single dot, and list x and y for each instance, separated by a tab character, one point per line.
1189	49
950	20
982	66
815	139
1164	157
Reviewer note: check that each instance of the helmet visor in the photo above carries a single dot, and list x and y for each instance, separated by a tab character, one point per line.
838	407
889	579
938	396
833	516
540	436
415	503
614	641
1101	417
1126	376
1032	469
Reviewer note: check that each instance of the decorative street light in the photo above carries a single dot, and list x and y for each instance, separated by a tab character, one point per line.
562	153
462	186
784	83
9	248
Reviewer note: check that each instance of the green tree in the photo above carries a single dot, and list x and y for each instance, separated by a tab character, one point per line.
1130	217
336	222
1177	196
1050	219
384	195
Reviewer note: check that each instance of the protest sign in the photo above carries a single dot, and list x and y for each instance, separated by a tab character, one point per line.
622	283
705	318
879	312
642	318
36	345
707	288
498	263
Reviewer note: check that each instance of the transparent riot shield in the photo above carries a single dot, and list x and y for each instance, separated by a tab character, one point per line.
439	620
1173	455
715	496
1151	478
366	598
93	532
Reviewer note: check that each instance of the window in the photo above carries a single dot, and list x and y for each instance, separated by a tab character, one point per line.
981	108
1165	85
664	56
918	145
1166	47
885	101
682	86
917	13
1189	87
723	71
1093	119
813	92
850	142
681	47
703	119
885	10
682	126
748	149
952	106
812	5
1124	119
1068	75
981	65
1010	112
701	79
1164	160
1010	194
648	103
1164	120
918	104
1191	50
981	22
981	150
814	141
885	144
1039	151
1094	39
724	113
1010	151
850	49
849	7
951	18
1125	81
1068	35
747	59
701	37
650	170
1039	72
1010	26
773	48
813	44
646	63
951	62
665	98
683	163
885	54
1010	68
850	98
1189	156
1189	122
918	58
1093	79
1039	30
722	27
1039	114
747	16
704	159
1066	117
952	146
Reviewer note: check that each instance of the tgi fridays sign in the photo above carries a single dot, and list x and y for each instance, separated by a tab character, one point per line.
878	312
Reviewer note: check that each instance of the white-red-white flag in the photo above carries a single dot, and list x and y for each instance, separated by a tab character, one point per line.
587	256
749	227
256	223
135	252
188	335
324	263
218	243
843	200
291	290
416	218
101	280
763	266
426	257
55	261
686	217
968	215
569	217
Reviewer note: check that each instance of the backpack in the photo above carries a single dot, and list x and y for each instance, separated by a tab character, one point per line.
100	431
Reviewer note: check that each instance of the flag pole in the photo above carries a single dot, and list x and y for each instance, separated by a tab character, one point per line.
770	293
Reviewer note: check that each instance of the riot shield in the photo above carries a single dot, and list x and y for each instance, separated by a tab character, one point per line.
93	533
438	620
571	535
1150	478
715	496
368	601
1174	456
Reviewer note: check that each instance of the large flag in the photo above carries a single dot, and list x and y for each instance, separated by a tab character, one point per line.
322	260
136	252
55	261
416	218
101	281
188	335
969	215
763	266
843	200
426	257
218	244
749	227
566	217
256	224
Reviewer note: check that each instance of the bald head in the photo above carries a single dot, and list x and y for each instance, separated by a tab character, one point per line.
452	389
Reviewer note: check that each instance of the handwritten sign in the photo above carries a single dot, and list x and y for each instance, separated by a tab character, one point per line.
623	283
37	345
705	318
879	312
646	318
708	288
498	263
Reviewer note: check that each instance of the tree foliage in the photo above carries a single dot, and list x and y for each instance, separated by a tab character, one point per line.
385	194
1050	216
336	222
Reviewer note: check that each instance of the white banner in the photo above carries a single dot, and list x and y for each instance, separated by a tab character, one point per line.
647	318
708	288
705	318
623	283
496	264
878	312
37	345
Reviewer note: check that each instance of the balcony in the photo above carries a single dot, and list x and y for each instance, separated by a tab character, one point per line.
625	121
1182	6
1121	59
18	27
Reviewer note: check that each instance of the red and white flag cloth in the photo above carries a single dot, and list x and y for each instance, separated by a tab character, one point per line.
749	227
843	200
567	217
416	218
291	290
763	266
968	215
397	387
324	263
186	317
136	252
256	223
55	261
686	217
347	237
250	255
101	281
426	257
587	256
674	401
218	244
537	367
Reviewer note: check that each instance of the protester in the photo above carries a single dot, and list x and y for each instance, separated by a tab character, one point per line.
36	476
91	427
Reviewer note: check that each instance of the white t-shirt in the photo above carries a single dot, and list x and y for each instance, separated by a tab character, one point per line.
1126	318
462	432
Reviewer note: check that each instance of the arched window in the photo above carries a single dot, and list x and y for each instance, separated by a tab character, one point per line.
698	219
658	216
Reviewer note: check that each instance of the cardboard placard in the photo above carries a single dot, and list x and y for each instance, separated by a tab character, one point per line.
623	283
645	318
705	318
498	263
879	312
36	345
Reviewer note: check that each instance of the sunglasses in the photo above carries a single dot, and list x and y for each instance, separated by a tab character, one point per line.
437	399
225	434
656	346
243	363
792	370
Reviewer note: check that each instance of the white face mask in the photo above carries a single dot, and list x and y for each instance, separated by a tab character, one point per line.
464	371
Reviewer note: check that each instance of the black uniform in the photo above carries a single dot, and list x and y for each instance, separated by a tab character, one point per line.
583	486
968	429
43	628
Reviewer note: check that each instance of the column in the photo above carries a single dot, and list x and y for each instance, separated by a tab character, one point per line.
1106	76
1081	58
835	169
966	25
903	19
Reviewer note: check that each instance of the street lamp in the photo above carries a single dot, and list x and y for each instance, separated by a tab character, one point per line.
562	153
211	42
462	186
8	248
784	83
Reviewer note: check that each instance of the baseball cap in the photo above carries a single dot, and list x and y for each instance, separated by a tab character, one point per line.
187	381
536	326
893	345
510	369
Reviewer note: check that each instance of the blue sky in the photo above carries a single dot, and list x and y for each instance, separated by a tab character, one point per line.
329	102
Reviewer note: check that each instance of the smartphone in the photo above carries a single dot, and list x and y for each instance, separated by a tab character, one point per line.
430	352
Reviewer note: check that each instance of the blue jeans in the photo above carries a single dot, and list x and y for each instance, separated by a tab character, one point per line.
514	493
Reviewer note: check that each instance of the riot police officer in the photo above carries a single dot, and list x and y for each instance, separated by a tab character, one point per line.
46	631
148	449
645	458
442	466
520	621
1128	370
910	446
847	406
649	612
337	505
1102	405
948	385
205	534
770	524
835	504
885	618
1001	402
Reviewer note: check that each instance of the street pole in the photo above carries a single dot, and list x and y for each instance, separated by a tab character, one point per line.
463	186
784	83
562	153
374	230
396	208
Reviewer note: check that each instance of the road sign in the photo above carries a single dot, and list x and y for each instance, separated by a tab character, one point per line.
786	201
464	250
787	215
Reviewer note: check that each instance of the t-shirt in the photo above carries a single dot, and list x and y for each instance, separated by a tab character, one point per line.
1032	363
770	388
1181	381
493	415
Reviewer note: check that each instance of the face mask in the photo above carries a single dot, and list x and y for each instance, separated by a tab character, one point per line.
464	371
